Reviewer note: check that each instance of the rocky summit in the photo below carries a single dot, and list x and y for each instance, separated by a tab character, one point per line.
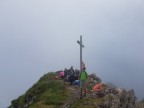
52	91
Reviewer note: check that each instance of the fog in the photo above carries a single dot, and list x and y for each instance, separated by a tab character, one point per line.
37	37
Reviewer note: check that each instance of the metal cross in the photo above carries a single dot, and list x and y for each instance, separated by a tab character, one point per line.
81	46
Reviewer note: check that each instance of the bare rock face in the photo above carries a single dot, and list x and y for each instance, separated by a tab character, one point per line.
121	99
112	98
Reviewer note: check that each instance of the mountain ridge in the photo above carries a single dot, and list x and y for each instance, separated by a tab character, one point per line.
52	92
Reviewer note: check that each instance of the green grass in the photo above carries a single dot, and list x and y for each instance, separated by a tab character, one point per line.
48	92
55	94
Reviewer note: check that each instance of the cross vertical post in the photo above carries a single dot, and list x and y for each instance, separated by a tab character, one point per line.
81	46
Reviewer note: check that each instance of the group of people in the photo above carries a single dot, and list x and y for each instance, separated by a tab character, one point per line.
71	76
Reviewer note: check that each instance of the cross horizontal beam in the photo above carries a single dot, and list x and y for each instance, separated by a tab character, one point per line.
80	43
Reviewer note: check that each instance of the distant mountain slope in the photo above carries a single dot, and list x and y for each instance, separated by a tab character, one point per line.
50	92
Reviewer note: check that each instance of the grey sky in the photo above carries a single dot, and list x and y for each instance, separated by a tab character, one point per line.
39	36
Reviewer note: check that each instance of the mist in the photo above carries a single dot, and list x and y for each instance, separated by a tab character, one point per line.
37	37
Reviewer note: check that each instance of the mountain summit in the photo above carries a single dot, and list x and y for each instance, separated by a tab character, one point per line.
53	92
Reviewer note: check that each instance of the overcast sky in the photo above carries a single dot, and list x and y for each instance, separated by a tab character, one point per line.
39	36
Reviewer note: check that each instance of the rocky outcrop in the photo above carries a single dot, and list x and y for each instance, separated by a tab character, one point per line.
111	98
120	99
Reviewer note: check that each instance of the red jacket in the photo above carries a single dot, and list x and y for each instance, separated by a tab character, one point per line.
97	87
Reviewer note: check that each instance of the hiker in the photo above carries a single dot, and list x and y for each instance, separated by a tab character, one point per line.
76	74
98	87
83	78
71	79
71	75
61	74
71	70
65	72
66	75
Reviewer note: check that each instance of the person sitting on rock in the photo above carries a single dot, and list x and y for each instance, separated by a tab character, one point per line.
99	89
